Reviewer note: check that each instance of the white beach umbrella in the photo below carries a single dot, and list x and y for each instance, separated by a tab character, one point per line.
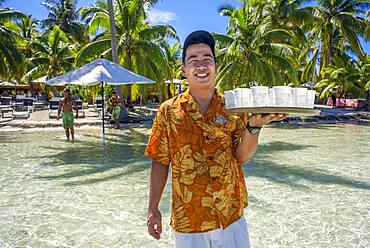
40	80
99	71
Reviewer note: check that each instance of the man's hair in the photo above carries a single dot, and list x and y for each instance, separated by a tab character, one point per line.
68	90
113	92
198	37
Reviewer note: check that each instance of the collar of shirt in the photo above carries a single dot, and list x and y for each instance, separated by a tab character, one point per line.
193	106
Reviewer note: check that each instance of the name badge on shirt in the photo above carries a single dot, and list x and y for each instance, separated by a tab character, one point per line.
221	119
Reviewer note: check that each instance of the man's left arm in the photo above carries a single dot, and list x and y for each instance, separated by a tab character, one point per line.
248	143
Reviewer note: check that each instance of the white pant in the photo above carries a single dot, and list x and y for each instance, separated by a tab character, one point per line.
234	236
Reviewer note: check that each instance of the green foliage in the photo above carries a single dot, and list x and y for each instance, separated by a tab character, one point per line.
139	44
253	51
348	77
52	55
10	55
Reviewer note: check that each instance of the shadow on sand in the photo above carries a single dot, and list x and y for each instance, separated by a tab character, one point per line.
89	161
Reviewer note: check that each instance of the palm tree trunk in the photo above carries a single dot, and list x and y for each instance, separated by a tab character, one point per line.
330	48
113	31
114	52
129	66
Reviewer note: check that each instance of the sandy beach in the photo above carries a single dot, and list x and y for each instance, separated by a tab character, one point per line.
40	120
143	117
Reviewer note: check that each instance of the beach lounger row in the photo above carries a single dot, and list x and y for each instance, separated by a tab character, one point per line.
23	106
54	105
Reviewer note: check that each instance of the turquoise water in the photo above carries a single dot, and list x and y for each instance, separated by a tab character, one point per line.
309	187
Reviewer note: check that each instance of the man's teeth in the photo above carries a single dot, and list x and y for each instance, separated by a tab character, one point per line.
202	75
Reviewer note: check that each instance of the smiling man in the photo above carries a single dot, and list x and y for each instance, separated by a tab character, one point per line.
205	148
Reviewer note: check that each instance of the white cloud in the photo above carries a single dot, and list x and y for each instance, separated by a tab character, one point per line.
159	16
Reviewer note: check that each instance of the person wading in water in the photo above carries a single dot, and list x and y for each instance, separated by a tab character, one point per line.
66	104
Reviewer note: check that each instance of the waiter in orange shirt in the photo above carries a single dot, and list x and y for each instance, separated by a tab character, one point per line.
205	148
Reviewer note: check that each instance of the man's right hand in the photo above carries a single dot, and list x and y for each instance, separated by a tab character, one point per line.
154	222
58	117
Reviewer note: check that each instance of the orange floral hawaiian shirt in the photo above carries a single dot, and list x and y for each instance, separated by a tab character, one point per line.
207	183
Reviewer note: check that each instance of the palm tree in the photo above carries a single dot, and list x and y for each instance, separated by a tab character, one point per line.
173	56
114	50
113	33
10	57
362	71
337	25
25	30
52	55
349	77
340	77
64	14
291	16
249	53
283	14
367	29
138	43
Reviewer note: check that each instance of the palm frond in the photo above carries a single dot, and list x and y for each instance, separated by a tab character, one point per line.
92	50
226	9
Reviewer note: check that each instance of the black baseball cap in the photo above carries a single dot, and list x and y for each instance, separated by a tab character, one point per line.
198	37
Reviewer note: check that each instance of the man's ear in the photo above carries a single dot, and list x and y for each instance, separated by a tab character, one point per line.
183	75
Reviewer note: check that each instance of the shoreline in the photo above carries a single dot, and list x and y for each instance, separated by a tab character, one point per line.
327	116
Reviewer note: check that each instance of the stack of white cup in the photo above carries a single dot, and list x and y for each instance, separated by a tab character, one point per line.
262	96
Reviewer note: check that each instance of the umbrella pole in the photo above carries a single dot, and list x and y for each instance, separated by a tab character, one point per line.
102	94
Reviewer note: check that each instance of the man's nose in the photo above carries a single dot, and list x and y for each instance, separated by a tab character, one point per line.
201	65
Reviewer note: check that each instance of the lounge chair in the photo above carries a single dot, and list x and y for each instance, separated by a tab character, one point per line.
53	107
19	101
98	105
40	102
20	108
7	112
29	104
80	108
6	102
6	109
21	113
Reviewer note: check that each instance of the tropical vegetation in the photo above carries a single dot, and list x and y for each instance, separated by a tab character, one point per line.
273	42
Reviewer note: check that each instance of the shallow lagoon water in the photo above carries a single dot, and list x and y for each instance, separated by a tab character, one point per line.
309	186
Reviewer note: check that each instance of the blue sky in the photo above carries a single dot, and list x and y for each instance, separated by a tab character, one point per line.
185	15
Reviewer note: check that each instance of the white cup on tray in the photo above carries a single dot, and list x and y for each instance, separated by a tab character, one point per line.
311	98
244	97
229	99
283	96
299	96
271	102
260	95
